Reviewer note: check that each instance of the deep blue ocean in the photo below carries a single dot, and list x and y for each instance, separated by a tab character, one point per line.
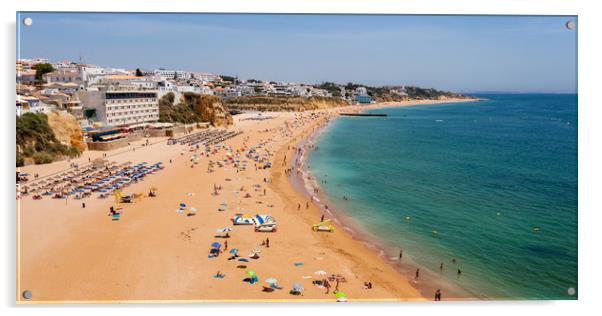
496	180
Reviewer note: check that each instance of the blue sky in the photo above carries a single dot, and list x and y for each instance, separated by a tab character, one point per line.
460	53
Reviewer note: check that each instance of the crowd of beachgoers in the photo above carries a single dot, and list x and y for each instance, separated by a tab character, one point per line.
227	193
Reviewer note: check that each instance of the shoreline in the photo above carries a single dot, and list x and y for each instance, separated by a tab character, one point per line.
304	181
343	241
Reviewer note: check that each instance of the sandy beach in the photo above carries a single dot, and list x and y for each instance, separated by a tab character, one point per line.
68	253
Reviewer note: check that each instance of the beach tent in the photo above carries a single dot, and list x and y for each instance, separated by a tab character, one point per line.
324	226
261	219
240	219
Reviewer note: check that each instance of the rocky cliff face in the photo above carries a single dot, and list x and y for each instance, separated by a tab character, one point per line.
66	129
262	103
210	108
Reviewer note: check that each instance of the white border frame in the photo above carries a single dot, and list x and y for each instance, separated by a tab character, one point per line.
590	154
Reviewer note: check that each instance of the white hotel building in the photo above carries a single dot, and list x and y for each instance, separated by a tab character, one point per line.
172	74
114	107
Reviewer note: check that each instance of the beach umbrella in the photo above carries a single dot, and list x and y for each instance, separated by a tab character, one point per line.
340	295
216	245
320	272
250	273
271	281
226	229
298	287
182	205
234	251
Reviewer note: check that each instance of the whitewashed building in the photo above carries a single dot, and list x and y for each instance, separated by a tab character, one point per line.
120	105
172	74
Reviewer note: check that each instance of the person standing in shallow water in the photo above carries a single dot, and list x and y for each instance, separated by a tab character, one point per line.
400	253
417	273
438	295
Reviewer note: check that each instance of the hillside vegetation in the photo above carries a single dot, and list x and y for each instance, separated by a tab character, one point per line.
390	93
37	143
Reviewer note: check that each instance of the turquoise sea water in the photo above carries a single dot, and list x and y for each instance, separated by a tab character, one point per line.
482	174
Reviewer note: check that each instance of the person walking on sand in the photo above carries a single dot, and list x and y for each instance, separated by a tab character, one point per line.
326	285
322	218
226	245
438	295
307	205
267	242
298	206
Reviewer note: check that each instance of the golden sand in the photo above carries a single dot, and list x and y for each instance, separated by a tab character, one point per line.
67	253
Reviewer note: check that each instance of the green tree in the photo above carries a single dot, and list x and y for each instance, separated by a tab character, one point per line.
227	78
42	69
138	72
42	158
20	160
